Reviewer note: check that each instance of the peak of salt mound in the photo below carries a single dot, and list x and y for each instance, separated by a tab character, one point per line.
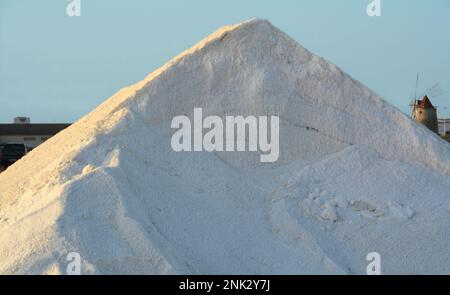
110	187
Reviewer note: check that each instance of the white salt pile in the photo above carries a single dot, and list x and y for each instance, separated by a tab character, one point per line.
355	175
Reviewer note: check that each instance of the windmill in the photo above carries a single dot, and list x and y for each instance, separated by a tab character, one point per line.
433	91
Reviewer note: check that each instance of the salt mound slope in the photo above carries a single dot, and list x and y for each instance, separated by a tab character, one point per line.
355	175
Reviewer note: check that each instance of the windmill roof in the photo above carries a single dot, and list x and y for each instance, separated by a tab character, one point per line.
425	103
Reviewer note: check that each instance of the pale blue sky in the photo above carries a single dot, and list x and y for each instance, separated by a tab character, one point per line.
55	68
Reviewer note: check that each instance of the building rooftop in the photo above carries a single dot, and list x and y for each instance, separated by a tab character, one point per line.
31	129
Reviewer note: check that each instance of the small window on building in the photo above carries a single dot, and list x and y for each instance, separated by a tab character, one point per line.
29	138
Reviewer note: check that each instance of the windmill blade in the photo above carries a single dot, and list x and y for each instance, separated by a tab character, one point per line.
436	90
433	91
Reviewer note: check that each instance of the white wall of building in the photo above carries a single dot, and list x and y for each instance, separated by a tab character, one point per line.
443	127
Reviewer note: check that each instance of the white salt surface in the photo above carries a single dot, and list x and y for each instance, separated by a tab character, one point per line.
355	176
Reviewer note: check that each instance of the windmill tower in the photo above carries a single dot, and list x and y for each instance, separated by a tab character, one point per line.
423	110
426	114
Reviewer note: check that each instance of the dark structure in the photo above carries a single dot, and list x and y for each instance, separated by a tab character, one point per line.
30	134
